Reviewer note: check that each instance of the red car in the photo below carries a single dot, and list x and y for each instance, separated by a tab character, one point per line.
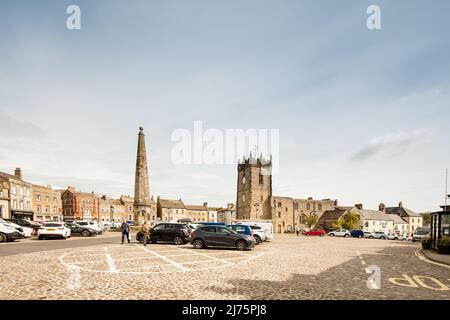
320	233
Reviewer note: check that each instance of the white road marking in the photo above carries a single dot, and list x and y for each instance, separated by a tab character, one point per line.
110	263
176	264
205	255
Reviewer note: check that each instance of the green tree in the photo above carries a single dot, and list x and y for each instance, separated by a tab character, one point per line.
349	220
426	218
311	220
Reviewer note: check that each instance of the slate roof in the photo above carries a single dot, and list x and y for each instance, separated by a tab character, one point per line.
402	212
172	204
196	207
374	215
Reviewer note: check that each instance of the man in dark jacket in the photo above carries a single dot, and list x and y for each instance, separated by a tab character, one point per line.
125	231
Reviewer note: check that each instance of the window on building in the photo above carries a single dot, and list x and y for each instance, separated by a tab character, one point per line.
286	209
279	214
308	206
38	197
21	191
14	189
39	209
319	207
15	204
28	205
366	224
279	204
28	192
296	205
261	181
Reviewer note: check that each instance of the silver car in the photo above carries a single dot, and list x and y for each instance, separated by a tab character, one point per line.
340	233
379	235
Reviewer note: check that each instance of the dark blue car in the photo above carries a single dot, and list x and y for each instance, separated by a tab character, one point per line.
242	229
357	233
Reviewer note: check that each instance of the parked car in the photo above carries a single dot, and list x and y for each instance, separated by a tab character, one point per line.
368	234
379	235
394	236
340	233
26	223
244	229
28	232
9	232
53	230
259	234
266	226
85	231
420	233
356	233
89	224
220	236
177	233
319	233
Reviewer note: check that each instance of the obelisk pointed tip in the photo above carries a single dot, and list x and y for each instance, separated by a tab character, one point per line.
141	129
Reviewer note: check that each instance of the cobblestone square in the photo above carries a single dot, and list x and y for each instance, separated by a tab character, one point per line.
289	267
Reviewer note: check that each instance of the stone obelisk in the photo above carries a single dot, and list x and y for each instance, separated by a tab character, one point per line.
141	183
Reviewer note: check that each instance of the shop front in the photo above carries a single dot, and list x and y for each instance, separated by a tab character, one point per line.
440	226
22	214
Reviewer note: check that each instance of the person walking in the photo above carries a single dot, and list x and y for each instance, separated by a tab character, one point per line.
145	231
125	231
297	231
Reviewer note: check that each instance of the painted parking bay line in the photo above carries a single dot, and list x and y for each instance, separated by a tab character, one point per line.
207	256
175	264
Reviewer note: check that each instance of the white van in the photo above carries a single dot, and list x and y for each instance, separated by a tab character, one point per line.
266	225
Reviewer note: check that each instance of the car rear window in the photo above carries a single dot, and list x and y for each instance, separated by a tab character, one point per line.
255	228
52	225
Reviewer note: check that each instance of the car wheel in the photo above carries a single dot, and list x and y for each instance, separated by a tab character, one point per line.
383	238
85	233
331	234
198	244
3	237
241	245
257	239
346	236
177	240
395	238
40	237
370	237
360	236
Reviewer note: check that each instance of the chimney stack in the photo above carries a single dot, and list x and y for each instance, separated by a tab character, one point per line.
400	204
205	204
359	206
382	207
18	173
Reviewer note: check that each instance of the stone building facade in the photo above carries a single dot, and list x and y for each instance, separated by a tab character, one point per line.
256	202
171	210
197	213
227	215
79	205
47	204
111	210
4	200
20	195
413	219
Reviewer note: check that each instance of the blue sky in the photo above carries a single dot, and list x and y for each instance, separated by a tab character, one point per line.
363	115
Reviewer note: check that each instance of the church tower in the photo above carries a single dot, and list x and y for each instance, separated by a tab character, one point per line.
142	201
254	189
